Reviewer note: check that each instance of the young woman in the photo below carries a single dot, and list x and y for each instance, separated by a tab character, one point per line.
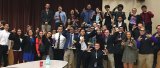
98	17
47	43
39	44
17	47
130	51
29	50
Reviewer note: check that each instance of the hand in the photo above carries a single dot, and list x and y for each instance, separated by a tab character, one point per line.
149	35
123	43
158	52
89	49
139	38
7	52
81	39
105	52
157	35
134	26
46	23
39	55
130	44
76	10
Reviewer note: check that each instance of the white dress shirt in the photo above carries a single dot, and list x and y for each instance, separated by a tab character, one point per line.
119	24
4	35
62	40
83	44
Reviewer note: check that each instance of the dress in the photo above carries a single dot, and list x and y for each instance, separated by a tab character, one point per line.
130	52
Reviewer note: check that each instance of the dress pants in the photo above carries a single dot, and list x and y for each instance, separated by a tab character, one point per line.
83	58
4	55
18	57
69	57
58	54
146	59
118	60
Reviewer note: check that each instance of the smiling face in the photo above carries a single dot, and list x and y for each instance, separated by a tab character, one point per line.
97	46
128	34
19	32
47	6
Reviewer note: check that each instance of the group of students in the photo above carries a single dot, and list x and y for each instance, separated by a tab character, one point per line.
88	44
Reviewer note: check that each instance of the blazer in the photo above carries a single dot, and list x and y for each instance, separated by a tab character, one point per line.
46	17
123	25
47	42
96	57
29	45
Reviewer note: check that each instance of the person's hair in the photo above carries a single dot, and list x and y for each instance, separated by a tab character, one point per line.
126	35
143	6
106	6
120	6
22	34
157	26
39	35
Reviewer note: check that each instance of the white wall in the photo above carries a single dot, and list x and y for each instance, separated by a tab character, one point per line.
153	5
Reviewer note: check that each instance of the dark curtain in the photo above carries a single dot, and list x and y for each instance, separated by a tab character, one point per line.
20	13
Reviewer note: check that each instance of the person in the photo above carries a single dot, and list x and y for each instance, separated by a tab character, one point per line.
46	18
60	17
59	44
29	47
120	23
71	40
47	42
130	51
73	18
96	56
109	47
87	14
17	47
156	62
108	17
147	18
1	26
133	18
38	45
119	36
118	13
146	49
81	47
136	30
97	17
4	45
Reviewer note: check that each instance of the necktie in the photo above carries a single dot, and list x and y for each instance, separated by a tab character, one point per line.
60	17
70	42
58	44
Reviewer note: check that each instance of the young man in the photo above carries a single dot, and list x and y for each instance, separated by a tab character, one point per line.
46	18
118	13
4	45
87	14
59	44
60	17
71	40
147	18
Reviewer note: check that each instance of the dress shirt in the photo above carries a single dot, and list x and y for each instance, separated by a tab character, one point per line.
62	15
61	42
4	35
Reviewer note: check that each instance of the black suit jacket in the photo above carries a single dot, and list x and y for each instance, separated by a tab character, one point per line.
46	17
123	25
47	42
28	46
93	59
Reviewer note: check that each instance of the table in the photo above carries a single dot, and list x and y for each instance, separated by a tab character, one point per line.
36	64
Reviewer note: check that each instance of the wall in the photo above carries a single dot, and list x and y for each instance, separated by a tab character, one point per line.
153	5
